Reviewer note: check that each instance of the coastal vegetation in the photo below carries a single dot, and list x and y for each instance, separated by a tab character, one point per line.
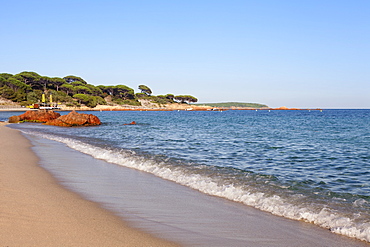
235	104
27	88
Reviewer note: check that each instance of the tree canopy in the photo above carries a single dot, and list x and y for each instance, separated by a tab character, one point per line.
186	99
72	78
27	87
145	89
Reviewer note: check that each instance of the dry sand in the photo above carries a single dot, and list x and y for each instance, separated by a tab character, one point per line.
36	211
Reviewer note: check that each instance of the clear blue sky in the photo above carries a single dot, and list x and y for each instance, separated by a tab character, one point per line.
306	53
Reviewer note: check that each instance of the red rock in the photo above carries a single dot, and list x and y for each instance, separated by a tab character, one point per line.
58	122
75	119
41	116
14	119
132	123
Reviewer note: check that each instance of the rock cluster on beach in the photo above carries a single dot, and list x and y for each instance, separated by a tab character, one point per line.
53	118
75	119
41	116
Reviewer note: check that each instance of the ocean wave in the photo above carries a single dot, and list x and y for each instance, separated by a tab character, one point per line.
355	226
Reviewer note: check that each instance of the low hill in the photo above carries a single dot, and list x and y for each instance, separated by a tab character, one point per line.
235	104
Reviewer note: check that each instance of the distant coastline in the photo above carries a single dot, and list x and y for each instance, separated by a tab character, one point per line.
235	104
29	90
146	106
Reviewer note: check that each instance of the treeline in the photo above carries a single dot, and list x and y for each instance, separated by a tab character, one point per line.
27	88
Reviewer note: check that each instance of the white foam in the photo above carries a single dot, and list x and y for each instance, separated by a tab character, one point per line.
323	217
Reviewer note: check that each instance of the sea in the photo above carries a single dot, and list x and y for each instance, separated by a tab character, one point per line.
304	165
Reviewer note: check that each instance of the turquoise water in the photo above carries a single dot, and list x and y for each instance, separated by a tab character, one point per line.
304	165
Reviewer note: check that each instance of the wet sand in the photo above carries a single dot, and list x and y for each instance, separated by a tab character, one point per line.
36	211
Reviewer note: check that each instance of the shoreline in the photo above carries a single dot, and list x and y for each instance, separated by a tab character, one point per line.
189	217
37	211
189	108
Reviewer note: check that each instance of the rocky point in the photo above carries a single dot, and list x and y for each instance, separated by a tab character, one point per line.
53	118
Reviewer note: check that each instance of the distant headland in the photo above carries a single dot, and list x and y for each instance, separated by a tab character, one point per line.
235	105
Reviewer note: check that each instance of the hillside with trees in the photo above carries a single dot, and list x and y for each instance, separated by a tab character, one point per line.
27	88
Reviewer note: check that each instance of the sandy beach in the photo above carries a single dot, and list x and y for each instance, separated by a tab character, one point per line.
36	211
